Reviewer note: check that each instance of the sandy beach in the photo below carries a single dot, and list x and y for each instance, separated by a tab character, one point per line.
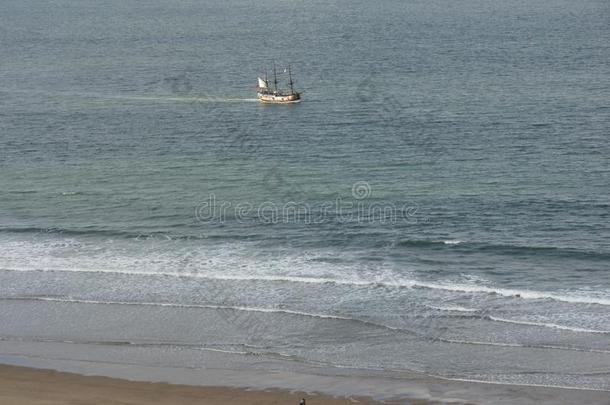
28	386
41	386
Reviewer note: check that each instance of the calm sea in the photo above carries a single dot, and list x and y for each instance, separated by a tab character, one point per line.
439	201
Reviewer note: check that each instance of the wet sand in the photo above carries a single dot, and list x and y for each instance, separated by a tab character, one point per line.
28	386
37	386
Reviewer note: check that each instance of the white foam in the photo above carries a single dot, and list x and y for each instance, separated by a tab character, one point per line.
453	308
321	316
548	325
517	384
462	288
452	242
175	305
522	346
507	292
238	262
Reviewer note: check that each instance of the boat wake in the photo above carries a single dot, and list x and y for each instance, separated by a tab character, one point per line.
193	99
202	98
185	99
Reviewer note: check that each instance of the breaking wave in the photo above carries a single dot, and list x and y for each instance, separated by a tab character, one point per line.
451	287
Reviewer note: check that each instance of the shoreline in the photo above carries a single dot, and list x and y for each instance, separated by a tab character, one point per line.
32	386
29	381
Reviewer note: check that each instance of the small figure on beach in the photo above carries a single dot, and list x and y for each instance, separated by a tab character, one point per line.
302	402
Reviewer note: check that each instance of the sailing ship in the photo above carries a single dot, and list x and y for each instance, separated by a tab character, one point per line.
266	94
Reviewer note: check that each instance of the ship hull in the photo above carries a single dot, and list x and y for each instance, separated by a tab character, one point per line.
279	98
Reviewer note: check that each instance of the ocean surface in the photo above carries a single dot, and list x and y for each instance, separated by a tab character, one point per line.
438	203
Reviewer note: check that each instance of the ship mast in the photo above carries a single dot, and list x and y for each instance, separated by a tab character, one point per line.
290	82
274	78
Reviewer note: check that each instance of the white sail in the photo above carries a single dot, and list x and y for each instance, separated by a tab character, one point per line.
261	83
